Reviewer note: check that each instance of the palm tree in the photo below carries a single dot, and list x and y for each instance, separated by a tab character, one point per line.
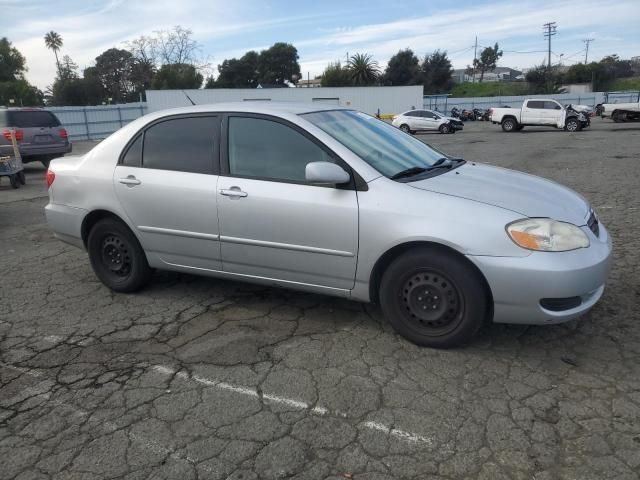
363	68
53	41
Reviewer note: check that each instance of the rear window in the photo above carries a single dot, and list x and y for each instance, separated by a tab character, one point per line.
35	118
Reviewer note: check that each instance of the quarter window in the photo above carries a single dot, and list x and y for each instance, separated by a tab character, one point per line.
182	144
270	150
133	157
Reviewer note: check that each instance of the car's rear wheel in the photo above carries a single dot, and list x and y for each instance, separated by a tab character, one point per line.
405	128
13	180
509	125
445	128
21	177
117	257
433	298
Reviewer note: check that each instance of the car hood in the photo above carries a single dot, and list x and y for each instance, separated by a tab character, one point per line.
451	118
522	193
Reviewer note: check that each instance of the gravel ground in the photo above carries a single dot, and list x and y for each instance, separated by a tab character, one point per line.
201	378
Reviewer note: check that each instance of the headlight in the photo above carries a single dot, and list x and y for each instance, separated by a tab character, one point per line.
547	235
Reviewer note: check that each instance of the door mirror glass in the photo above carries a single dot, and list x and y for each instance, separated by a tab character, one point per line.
325	173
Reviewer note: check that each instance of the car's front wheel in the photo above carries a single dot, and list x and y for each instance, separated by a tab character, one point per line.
433	298
445	128
572	125
117	257
405	128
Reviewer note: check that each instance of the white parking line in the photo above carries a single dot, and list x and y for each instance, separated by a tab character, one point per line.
290	402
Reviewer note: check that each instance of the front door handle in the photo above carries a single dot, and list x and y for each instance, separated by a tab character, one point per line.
233	192
130	180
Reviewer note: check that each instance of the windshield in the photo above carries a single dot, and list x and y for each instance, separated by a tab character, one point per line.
382	146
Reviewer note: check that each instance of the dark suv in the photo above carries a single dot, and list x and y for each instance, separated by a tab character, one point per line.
39	133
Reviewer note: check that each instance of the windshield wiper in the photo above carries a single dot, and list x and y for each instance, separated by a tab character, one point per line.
409	172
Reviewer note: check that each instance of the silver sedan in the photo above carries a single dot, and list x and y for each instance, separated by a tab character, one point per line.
332	201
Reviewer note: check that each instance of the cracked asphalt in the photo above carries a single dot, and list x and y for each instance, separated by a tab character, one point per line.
198	378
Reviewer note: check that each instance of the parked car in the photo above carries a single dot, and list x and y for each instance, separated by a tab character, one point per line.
415	121
621	112
539	112
330	201
40	135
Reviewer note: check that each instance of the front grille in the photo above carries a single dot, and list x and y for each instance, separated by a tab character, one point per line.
593	224
560	304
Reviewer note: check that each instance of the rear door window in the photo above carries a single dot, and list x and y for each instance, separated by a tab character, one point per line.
33	119
133	157
535	104
188	144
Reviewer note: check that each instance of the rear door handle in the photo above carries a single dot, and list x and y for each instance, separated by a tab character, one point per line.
130	180
233	192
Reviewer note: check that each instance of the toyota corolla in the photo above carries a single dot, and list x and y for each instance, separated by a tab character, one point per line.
332	201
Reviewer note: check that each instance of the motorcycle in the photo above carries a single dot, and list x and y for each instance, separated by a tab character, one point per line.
479	114
467	115
455	112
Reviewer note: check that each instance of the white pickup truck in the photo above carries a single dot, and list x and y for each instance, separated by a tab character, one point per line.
622	112
539	112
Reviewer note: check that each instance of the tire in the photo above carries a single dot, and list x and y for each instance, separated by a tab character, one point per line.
13	180
615	117
117	257
21	177
429	279
509	125
445	128
572	125
405	128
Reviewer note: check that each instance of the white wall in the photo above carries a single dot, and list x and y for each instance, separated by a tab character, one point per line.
365	99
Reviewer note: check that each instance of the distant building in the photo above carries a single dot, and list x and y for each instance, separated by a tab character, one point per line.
314	82
499	74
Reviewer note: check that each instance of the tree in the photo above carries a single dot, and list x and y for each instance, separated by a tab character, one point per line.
177	76
488	60
278	64
335	75
238	73
363	69
53	41
12	63
543	79
437	73
403	69
94	90
114	68
175	46
21	92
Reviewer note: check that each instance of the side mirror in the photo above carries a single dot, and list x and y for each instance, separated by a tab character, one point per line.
325	173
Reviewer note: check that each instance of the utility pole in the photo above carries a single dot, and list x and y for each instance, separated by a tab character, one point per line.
587	41
549	31
475	52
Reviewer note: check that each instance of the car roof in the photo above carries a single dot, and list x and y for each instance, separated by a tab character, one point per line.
265	107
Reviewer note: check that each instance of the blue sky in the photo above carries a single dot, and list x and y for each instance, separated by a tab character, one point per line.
326	30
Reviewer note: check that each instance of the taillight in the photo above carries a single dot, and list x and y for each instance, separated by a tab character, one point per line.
50	178
19	135
63	133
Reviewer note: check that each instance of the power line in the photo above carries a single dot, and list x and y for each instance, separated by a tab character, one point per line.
587	41
549	31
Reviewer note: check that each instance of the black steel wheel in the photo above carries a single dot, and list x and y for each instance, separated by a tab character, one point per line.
117	257
434	297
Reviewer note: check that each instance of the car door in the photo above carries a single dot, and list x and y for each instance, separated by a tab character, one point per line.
166	183
430	120
273	224
553	113
413	119
532	112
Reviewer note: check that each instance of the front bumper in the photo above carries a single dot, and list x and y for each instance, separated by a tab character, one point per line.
457	126
518	284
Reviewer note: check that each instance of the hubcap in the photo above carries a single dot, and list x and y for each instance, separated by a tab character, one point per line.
115	256
431	301
572	126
